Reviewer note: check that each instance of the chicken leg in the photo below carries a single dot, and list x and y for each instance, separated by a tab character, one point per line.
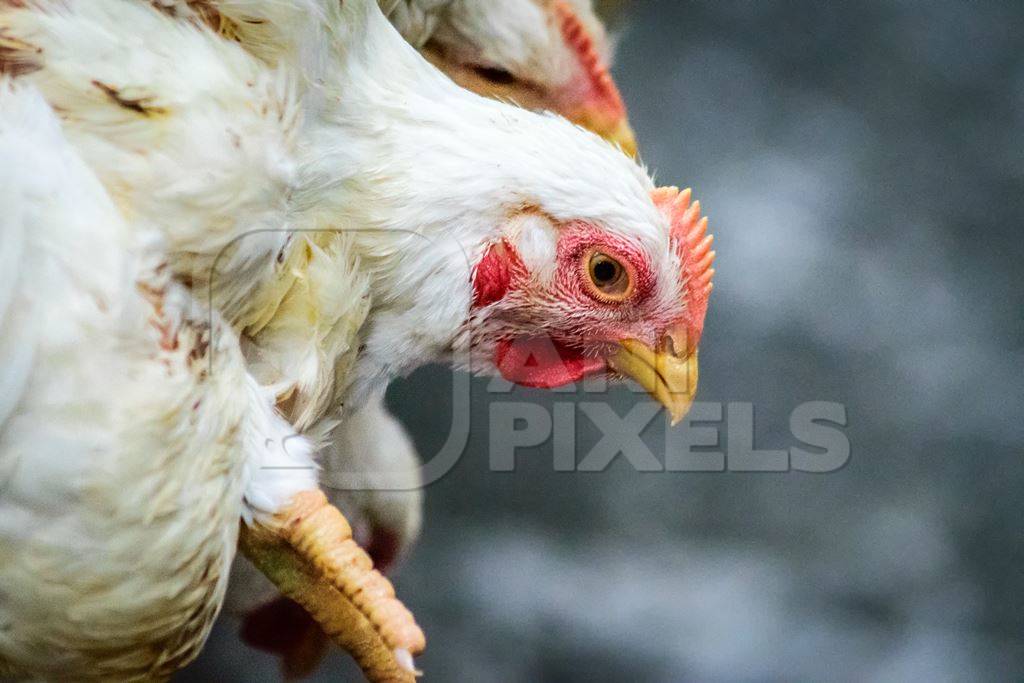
307	551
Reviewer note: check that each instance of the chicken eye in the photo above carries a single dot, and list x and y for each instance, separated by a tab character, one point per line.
608	279
495	75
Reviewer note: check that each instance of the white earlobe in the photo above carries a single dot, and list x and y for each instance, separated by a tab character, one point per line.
536	240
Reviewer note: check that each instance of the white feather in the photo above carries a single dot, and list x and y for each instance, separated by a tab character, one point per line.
125	443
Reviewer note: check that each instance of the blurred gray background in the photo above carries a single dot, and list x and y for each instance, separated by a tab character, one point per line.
863	168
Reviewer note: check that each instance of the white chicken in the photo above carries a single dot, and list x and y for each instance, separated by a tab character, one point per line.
350	215
540	54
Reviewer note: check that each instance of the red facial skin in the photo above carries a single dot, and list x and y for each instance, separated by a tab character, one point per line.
529	361
575	326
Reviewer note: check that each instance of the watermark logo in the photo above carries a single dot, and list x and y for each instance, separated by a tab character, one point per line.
696	445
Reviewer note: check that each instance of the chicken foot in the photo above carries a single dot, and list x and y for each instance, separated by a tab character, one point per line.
307	551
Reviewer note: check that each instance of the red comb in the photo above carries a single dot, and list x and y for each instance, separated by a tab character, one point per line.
693	244
579	40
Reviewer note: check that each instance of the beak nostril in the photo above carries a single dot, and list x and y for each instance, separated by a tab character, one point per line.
677	343
667	345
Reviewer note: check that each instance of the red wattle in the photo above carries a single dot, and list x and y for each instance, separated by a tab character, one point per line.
543	363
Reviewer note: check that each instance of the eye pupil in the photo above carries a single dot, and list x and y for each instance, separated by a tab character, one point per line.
604	271
607	279
495	75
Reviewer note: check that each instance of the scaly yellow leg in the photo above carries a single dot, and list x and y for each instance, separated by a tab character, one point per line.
309	554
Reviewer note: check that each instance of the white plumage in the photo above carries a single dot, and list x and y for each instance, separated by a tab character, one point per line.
221	232
128	426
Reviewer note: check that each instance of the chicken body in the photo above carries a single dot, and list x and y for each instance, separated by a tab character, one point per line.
134	437
125	432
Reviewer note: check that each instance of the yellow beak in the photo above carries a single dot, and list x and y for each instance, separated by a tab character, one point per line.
669	378
622	135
